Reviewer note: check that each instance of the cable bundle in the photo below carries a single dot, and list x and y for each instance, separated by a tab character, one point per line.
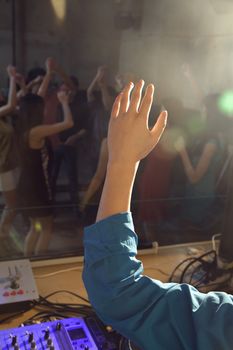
202	272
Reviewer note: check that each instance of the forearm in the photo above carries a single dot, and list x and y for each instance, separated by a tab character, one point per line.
92	189
22	92
106	98
68	120
11	103
12	93
90	96
44	85
188	167
117	191
80	134
64	77
32	84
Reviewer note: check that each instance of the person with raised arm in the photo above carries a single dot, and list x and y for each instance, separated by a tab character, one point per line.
11	103
100	97
9	167
154	315
202	159
20	80
100	82
68	151
52	67
34	189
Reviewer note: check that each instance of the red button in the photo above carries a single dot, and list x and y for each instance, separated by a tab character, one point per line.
20	292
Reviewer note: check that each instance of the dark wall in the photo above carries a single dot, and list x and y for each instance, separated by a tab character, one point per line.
83	40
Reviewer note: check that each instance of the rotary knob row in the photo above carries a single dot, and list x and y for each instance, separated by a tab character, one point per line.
14	340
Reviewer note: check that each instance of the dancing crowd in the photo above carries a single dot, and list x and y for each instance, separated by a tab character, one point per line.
45	125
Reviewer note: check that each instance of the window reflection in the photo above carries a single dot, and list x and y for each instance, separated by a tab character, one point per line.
53	129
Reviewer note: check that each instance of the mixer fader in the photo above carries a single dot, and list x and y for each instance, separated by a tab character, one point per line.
65	334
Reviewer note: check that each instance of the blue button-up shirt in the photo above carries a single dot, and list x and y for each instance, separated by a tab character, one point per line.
154	315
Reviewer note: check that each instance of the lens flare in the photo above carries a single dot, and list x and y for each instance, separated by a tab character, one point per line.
59	7
38	226
169	138
225	103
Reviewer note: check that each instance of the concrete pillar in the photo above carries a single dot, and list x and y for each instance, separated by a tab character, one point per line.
18	35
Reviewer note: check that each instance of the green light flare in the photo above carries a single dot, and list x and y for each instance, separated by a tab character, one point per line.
225	103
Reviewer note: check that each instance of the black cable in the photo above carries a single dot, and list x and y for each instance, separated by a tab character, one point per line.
68	292
63	308
200	258
177	267
219	284
208	269
56	309
195	270
8	318
124	344
201	280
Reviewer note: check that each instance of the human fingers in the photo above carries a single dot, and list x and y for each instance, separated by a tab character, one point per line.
159	126
38	79
19	76
11	70
62	96
136	96
147	100
116	106
125	100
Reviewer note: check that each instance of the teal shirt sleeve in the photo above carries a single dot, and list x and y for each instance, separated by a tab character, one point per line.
154	315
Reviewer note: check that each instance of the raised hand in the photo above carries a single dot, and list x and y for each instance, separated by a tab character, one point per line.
11	71
50	65
101	75
38	79
63	97
101	70
129	137
20	79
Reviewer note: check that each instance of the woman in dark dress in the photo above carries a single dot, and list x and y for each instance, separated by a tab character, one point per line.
34	188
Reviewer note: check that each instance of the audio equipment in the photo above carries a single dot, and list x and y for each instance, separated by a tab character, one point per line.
17	285
66	334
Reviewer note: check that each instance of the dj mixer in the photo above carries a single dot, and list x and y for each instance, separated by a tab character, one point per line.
66	334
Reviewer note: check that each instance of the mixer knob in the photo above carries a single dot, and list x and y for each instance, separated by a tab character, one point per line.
30	337
58	326
16	347
49	341
46	334
14	340
52	347
33	344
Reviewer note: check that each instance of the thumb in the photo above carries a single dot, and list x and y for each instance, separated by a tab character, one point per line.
159	126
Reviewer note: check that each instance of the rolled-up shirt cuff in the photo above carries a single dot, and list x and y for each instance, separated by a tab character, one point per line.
112	235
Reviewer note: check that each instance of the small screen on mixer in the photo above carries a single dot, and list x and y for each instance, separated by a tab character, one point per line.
77	333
